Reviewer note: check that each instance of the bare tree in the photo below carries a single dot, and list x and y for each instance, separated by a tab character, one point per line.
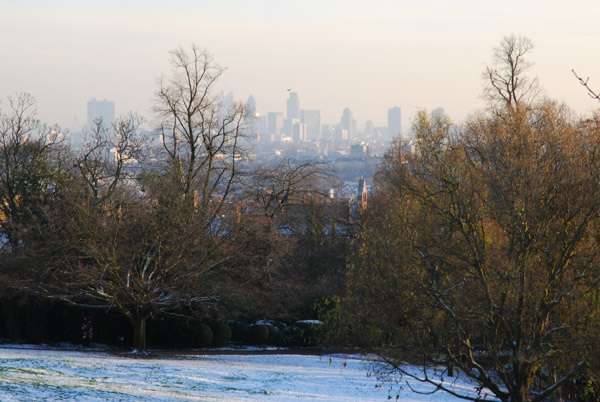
506	81
151	247
107	152
200	133
27	167
143	254
275	188
31	161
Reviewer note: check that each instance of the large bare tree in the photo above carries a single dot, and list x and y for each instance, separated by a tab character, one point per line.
145	254
200	132
146	247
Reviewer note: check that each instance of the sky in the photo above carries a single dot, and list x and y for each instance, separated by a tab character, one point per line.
367	55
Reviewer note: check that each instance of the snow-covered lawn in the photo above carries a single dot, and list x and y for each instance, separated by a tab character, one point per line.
44	374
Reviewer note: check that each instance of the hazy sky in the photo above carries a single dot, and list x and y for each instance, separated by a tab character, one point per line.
368	55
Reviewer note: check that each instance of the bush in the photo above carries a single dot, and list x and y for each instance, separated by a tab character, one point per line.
239	331
205	335
311	332
258	334
221	334
273	335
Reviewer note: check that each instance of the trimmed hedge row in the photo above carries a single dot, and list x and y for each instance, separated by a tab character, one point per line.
278	333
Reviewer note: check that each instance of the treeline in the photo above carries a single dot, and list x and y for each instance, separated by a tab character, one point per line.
130	235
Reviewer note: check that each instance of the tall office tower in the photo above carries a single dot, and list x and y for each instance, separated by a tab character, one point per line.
312	119
261	125
274	126
394	122
226	107
327	132
369	128
293	114
299	132
251	106
293	106
255	133
103	109
347	123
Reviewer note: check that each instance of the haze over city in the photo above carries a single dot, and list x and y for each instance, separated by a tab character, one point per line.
368	56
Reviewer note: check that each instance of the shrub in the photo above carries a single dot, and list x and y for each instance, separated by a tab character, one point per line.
273	335
311	332
239	331
205	335
221	334
258	334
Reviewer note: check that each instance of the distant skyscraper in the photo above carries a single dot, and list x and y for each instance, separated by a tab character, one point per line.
299	133
251	106
257	131
394	122
261	124
369	128
103	109
274	126
293	114
293	106
347	123
327	131
226	106
312	119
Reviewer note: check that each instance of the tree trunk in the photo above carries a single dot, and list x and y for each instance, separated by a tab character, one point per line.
520	392
139	332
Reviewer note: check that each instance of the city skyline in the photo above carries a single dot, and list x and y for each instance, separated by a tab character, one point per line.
334	55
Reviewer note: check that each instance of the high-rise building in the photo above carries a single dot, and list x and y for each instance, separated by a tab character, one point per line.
293	114
394	122
274	126
256	132
293	106
261	129
327	132
299	133
369	128
347	123
312	119
251	106
103	109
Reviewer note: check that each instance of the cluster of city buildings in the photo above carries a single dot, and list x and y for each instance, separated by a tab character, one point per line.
300	133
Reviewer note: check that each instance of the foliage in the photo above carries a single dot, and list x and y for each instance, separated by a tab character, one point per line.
480	248
221	334
258	334
205	335
29	161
